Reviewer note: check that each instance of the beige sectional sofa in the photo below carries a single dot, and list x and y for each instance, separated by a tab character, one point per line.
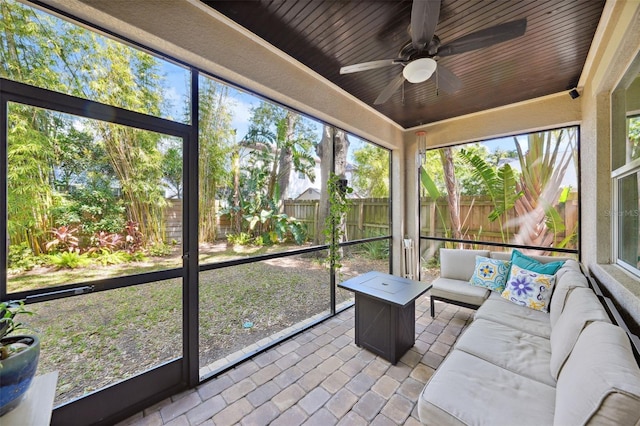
515	365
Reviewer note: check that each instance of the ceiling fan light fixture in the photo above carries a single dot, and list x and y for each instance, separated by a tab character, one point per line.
419	70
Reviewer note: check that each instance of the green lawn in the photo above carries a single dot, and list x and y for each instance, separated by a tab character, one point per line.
97	339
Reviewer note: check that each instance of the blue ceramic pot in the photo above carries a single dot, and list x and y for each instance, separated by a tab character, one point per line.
17	371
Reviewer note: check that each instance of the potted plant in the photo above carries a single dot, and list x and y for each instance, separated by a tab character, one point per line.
18	356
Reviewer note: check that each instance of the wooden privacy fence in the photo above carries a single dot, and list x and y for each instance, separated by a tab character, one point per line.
474	217
368	217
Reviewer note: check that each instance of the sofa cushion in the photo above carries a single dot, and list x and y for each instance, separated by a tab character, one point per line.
569	265
600	381
469	390
565	284
540	264
459	264
502	255
529	288
517	351
490	273
458	290
582	307
515	316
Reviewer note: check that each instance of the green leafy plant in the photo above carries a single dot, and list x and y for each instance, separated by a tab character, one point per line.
334	226
241	238
433	191
106	257
159	250
501	186
21	257
278	227
377	249
8	324
69	259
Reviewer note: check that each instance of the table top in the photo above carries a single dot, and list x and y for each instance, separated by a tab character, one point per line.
35	408
387	288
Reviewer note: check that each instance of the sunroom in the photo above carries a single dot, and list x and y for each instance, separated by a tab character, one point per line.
170	167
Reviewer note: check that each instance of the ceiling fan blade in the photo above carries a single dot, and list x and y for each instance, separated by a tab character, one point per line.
367	66
484	38
447	80
424	19
389	90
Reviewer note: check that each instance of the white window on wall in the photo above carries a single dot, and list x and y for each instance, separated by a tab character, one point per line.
626	184
625	166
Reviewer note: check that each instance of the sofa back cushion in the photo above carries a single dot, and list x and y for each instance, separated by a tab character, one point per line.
567	280
582	308
569	265
500	255
459	264
600	382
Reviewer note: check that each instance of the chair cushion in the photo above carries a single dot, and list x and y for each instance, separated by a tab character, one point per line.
510	348
529	288
469	390
459	264
515	316
458	290
581	309
490	273
600	381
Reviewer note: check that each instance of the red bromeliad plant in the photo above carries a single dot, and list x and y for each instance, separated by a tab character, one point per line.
134	238
109	241
63	239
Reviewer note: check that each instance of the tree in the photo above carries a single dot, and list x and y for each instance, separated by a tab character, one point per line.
446	156
633	138
543	167
38	49
216	143
30	149
172	170
333	148
370	176
283	140
500	185
278	142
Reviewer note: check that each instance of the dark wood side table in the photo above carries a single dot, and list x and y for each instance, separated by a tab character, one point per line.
385	312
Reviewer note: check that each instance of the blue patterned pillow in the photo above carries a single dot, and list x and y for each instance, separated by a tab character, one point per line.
490	273
530	289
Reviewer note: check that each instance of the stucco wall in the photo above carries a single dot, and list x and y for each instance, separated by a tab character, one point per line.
619	45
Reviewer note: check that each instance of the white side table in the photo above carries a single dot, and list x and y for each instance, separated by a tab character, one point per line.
35	408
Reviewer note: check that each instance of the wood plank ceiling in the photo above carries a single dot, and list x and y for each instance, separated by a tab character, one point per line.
328	34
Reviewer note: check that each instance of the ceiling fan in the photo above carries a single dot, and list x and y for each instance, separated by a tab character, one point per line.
418	55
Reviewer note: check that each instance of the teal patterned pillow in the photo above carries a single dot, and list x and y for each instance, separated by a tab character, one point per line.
490	273
530	289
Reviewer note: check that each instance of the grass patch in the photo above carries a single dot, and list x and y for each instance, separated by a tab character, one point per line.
97	339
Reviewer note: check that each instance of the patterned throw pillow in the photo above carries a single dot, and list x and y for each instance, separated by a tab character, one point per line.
530	289
490	273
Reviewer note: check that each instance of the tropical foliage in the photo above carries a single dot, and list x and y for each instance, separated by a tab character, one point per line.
525	186
371	166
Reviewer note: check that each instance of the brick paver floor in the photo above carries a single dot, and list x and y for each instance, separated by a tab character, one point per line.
319	377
